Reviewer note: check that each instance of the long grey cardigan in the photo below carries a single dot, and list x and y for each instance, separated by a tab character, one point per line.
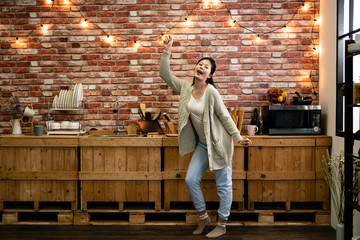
218	126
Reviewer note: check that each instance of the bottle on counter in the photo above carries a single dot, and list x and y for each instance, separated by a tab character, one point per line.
260	122
255	118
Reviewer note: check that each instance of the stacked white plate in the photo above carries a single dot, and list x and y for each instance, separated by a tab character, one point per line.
69	98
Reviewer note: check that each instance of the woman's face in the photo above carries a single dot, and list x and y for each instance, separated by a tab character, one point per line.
202	70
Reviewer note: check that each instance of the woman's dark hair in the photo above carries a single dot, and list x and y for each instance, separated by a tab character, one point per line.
213	68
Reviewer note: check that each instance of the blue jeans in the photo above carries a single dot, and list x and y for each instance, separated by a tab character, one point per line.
197	167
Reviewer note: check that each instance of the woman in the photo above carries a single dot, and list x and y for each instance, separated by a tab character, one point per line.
205	126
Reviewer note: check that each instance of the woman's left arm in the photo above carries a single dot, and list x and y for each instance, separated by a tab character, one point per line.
225	118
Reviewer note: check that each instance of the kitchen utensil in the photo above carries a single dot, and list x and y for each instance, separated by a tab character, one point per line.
132	129
146	126
300	100
74	125
55	125
170	128
147	116
156	115
167	117
143	108
29	111
65	124
252	129
141	115
38	130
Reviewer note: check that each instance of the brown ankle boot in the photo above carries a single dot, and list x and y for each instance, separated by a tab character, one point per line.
204	220
219	230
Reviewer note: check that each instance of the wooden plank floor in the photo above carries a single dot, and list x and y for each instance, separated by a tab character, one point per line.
35	232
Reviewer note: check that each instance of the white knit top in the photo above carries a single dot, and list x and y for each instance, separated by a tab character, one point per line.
196	109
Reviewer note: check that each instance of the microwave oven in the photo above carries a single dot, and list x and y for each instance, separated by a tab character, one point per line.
292	119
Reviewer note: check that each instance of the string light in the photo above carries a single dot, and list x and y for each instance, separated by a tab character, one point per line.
84	23
136	44
317	21
315	50
306	6
187	22
17	40
44	27
108	39
232	22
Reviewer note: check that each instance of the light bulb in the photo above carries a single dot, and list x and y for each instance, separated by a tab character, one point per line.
84	23
108	39
315	50
232	22
17	40
66	2
306	6
187	22
136	44
44	27
317	21
258	38
49	1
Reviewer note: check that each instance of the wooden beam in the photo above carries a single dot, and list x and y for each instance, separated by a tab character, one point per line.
267	176
22	175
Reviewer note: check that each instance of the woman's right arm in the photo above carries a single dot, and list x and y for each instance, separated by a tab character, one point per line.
174	82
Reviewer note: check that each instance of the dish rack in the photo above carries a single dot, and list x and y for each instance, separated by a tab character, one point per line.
78	116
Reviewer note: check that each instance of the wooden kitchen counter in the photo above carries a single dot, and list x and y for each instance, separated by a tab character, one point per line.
39	141
80	176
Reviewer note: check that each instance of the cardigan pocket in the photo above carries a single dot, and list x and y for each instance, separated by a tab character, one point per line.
218	147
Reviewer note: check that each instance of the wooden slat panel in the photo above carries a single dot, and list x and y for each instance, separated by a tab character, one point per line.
38	175
325	141
283	142
39	190
88	141
128	176
239	175
268	176
43	141
319	153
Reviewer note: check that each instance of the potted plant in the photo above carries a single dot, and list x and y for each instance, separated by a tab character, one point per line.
333	172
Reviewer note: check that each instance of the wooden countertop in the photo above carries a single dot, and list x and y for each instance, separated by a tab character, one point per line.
162	140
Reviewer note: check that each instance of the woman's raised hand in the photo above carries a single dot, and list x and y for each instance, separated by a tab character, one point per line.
168	41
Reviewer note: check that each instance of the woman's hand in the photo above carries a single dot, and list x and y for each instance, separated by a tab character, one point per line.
168	41
246	142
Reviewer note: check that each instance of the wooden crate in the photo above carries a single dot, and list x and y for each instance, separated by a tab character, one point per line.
38	170
116	172
175	167
287	171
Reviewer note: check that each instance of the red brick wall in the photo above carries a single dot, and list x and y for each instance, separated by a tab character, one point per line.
42	64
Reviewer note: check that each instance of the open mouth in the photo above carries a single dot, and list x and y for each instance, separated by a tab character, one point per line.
199	72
